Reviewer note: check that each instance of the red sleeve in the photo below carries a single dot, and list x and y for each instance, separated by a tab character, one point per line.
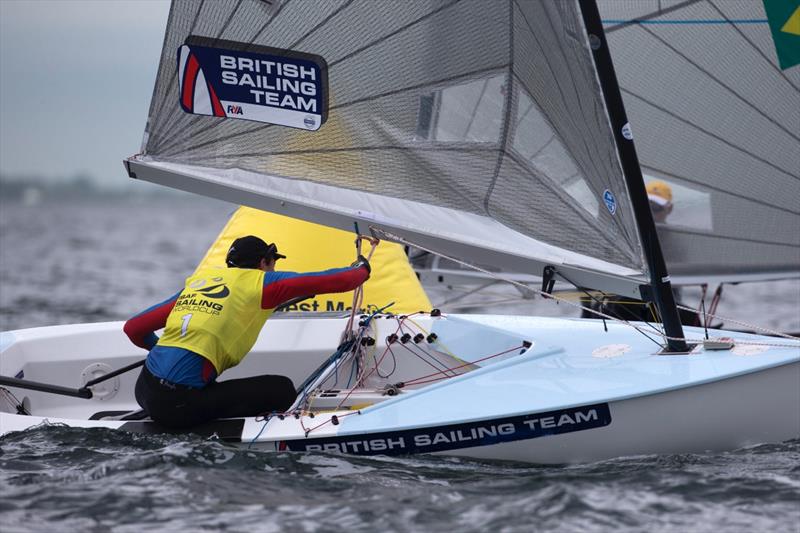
280	287
141	328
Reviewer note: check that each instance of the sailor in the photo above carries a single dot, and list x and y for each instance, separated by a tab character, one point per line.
660	196
211	324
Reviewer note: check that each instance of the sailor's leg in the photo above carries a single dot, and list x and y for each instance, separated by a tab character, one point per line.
249	396
172	406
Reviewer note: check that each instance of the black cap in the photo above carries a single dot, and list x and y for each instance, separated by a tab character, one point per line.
247	252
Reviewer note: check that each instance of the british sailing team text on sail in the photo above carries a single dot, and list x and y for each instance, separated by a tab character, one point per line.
268	76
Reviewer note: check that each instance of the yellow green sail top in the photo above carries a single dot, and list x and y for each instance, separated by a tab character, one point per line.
784	21
311	247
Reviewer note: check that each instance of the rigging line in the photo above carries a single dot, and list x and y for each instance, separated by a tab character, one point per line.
465	75
709	133
489	303
378	363
439	367
466	294
752	326
718	189
777	69
396	238
309	430
651	16
716	299
721	84
624	308
388	346
263	427
444	349
419	352
416	381
375	369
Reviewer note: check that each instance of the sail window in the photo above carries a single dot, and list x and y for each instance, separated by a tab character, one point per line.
543	151
466	112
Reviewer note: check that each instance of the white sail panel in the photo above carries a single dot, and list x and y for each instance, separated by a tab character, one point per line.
488	110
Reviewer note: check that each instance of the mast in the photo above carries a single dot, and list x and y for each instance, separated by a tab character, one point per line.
659	277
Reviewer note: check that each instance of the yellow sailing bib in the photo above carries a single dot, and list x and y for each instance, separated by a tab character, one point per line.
218	315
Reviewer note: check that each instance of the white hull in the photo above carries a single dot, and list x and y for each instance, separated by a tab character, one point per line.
635	402
726	415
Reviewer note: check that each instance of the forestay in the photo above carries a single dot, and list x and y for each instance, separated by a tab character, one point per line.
475	128
717	119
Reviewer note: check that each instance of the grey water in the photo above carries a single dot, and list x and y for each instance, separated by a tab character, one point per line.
69	262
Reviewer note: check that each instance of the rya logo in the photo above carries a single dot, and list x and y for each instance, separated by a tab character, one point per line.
235	110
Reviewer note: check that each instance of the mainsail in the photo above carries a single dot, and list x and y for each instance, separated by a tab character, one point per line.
476	128
717	119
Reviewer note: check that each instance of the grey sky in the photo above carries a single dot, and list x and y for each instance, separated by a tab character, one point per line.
75	83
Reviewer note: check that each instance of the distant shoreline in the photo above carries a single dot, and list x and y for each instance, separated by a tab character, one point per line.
34	192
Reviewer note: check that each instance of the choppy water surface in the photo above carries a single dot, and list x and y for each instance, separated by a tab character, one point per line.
95	480
66	263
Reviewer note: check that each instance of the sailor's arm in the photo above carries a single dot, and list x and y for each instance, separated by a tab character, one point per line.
141	328
280	287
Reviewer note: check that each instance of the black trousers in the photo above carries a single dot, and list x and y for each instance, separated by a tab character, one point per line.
178	406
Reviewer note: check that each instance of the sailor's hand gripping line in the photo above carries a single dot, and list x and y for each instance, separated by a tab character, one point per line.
358	293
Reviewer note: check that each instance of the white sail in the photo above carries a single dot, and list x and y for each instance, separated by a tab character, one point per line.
717	119
475	128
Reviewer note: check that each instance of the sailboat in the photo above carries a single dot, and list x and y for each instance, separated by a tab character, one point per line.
357	114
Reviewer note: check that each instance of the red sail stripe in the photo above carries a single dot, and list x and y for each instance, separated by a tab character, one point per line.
218	111
189	80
